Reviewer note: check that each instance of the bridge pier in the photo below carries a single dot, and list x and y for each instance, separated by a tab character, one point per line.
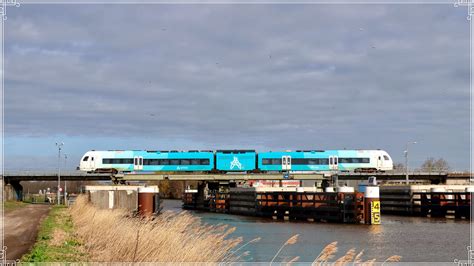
13	190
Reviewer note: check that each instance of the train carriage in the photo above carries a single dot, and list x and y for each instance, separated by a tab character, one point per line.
235	160
329	160
128	161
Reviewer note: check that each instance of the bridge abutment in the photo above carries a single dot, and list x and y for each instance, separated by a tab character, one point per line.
13	190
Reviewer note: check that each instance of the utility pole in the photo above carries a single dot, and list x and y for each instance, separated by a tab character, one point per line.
65	182
60	146
406	161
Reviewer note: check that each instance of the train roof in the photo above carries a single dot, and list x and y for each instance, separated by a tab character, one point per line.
235	151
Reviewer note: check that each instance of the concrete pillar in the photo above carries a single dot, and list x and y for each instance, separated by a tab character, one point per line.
13	191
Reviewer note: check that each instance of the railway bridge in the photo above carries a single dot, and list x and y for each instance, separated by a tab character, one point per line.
13	189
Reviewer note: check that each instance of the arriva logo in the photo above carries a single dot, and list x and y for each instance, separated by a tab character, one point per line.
235	163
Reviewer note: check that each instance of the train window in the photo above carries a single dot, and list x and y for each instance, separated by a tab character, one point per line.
386	158
92	158
298	161
354	160
85	158
117	161
309	161
151	162
171	161
271	161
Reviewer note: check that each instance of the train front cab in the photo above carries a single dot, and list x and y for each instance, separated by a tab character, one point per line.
88	162
384	161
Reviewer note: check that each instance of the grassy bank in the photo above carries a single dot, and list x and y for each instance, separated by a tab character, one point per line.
56	240
11	205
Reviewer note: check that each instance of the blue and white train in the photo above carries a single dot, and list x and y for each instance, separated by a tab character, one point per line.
223	161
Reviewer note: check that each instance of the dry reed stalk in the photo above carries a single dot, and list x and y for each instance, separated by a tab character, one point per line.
242	246
327	253
369	262
291	241
246	253
394	258
112	236
295	259
358	258
348	257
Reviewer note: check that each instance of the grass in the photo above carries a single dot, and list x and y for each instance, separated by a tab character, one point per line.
115	236
56	240
11	205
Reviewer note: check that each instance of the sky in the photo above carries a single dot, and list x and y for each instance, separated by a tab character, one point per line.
218	76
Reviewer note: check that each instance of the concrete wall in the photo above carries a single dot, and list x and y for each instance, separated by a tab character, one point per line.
115	197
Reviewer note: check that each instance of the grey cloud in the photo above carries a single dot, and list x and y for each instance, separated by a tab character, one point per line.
272	76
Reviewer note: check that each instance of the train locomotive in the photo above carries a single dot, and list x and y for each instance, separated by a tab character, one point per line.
225	161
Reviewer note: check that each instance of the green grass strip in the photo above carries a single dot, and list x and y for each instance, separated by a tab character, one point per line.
56	240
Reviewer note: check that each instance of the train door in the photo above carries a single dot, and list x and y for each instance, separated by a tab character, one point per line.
333	163
138	163
285	163
92	162
379	162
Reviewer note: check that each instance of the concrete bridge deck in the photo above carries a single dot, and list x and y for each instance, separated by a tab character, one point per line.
13	187
81	176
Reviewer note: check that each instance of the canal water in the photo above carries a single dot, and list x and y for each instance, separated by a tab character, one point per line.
416	239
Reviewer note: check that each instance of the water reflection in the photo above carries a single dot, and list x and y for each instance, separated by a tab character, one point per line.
416	239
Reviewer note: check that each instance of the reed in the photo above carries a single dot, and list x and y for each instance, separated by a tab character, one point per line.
230	254
291	241
327	253
394	258
349	258
114	236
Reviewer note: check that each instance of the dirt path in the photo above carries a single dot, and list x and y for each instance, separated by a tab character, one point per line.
21	228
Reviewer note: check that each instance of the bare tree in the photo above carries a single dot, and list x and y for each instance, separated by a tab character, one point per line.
433	165
399	167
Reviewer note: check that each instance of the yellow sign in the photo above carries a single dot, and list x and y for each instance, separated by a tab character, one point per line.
375	212
375	206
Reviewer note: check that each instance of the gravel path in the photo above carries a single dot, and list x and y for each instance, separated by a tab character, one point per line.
21	228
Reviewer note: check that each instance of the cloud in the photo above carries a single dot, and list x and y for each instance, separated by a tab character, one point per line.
273	76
